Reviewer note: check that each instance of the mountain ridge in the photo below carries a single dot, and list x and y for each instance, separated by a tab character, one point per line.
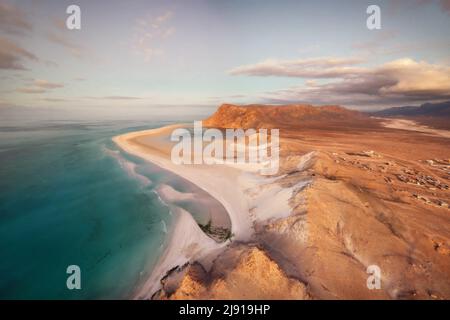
268	116
441	109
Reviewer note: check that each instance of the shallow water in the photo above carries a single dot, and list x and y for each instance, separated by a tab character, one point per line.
68	196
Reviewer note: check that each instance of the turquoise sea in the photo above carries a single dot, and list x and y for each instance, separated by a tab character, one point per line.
68	196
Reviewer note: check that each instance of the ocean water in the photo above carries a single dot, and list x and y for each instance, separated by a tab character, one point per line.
68	196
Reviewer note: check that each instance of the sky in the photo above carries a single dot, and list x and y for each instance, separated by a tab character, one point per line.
201	53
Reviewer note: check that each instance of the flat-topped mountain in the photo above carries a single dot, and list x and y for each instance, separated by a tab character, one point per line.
269	116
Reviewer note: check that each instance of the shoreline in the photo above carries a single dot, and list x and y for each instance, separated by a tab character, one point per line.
219	181
252	201
187	242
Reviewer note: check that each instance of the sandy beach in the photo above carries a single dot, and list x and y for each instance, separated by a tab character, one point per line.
219	181
187	240
249	199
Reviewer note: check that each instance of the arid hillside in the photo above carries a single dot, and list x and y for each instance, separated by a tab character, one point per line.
375	196
288	116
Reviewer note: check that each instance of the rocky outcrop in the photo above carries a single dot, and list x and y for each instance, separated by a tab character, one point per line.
241	272
346	220
263	116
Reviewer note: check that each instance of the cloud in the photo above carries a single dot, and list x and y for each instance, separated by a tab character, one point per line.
445	5
150	33
121	98
47	84
12	56
62	36
60	39
31	90
60	24
50	63
397	82
39	86
55	100
235	98
400	5
115	98
12	19
163	18
304	68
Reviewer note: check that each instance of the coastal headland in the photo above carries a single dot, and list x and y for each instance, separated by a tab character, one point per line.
352	191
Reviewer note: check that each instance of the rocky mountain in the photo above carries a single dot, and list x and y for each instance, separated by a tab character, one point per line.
269	116
441	109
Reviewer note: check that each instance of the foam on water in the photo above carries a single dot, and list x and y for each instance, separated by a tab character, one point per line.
128	166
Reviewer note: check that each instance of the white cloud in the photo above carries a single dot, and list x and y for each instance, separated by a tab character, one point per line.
397	82
31	90
47	84
304	68
163	18
150	34
39	86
